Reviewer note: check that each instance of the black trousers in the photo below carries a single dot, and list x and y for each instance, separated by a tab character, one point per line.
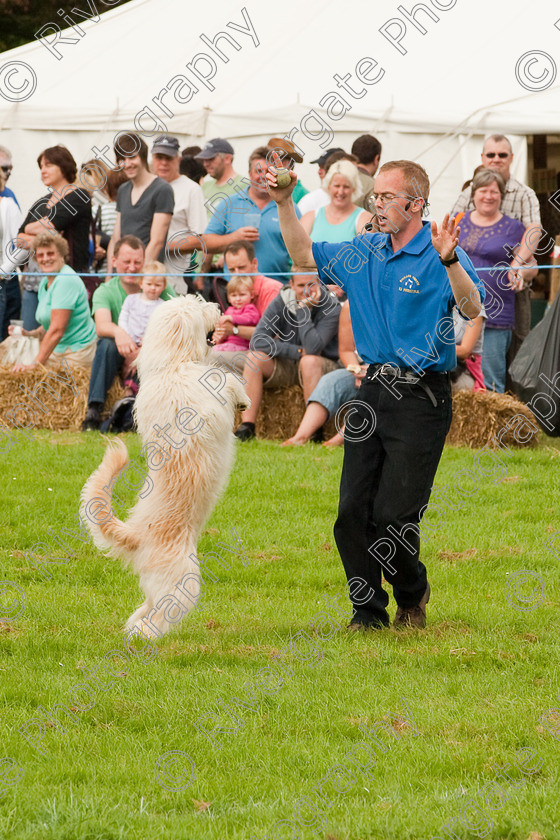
391	453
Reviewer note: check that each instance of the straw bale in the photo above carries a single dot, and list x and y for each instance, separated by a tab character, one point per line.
65	413
280	414
479	415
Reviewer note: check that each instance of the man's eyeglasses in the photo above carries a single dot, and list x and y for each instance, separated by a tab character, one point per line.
387	198
6	169
502	155
382	198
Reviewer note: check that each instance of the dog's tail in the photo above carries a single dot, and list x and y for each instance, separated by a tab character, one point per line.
107	530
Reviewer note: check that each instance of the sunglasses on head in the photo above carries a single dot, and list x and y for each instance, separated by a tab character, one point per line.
498	154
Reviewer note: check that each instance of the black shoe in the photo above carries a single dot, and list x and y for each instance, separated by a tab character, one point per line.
413	616
92	420
246	431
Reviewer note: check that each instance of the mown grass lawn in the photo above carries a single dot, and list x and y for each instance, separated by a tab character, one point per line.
471	688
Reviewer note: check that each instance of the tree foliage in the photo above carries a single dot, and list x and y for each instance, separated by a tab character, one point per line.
21	19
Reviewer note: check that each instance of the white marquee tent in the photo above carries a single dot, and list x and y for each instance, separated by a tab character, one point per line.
145	64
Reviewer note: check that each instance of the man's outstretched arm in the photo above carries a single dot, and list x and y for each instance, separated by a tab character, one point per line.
296	239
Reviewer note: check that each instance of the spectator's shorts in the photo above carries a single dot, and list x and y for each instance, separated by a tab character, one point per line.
286	372
335	389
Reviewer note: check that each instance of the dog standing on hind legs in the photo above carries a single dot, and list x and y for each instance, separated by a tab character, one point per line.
187	435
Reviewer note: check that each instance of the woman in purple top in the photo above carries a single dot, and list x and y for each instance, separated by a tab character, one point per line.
489	238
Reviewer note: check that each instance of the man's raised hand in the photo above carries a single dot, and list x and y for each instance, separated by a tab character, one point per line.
446	238
276	192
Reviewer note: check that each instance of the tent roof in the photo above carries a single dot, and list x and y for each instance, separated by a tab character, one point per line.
462	71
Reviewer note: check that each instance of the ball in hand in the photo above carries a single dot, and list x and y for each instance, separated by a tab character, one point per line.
283	178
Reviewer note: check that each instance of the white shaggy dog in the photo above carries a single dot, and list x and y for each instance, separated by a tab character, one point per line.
187	431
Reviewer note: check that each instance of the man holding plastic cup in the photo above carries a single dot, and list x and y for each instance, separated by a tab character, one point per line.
251	215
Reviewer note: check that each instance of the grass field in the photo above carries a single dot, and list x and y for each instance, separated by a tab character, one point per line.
283	761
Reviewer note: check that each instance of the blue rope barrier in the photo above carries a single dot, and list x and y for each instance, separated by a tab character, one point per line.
257	273
171	274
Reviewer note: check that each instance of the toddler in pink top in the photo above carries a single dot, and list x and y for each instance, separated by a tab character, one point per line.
241	313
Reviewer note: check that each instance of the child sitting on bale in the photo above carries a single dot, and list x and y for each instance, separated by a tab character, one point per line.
136	311
241	313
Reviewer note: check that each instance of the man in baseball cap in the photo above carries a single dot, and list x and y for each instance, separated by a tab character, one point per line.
189	215
218	146
166	145
323	159
217	159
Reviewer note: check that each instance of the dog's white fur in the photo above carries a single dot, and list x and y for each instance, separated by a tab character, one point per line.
162	530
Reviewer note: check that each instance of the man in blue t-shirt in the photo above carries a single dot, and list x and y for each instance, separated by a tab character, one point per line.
251	215
402	285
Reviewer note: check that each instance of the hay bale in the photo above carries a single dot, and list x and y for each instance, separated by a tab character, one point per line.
280	414
478	416
66	412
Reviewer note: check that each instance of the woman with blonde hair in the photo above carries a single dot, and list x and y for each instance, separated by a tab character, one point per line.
66	330
341	220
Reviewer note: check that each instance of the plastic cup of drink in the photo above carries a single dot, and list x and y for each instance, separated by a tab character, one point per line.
253	220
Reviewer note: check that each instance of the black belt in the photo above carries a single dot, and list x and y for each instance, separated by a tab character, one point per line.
406	375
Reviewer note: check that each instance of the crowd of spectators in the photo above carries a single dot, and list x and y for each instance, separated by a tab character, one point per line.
70	264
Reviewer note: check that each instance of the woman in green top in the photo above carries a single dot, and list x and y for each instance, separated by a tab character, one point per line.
67	329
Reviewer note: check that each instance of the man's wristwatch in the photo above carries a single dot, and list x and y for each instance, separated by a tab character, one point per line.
450	261
235	330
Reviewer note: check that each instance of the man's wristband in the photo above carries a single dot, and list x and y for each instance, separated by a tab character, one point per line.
450	261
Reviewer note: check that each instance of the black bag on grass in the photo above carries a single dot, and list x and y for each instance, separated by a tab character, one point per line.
121	419
535	371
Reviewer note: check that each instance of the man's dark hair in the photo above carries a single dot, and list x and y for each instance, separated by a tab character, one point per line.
192	168
191	151
258	153
128	145
336	156
366	148
241	245
61	157
132	242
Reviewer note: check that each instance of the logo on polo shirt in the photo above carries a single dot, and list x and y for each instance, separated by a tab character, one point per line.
409	283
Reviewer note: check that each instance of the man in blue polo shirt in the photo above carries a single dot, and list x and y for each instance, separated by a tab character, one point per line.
402	285
250	214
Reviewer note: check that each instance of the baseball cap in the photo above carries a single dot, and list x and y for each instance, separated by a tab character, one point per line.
218	146
166	145
323	159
